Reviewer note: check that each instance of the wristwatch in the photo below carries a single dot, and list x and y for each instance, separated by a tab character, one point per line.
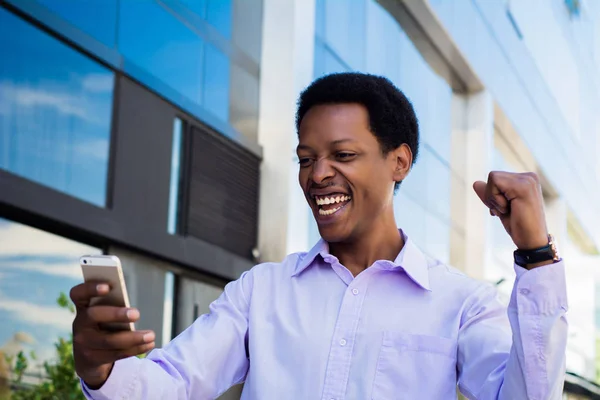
549	252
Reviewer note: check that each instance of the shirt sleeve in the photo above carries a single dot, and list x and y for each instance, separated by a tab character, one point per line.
522	356
201	363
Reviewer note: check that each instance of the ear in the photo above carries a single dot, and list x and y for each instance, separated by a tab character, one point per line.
402	161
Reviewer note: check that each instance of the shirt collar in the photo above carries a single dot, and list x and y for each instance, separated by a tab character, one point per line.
410	259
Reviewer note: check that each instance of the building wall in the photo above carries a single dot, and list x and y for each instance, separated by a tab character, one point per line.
104	125
531	77
361	35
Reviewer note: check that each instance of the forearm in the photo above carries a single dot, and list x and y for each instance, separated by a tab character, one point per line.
536	365
134	378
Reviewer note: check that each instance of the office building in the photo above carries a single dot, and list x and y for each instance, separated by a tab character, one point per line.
163	132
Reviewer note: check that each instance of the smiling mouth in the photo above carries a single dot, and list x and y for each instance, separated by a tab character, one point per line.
330	204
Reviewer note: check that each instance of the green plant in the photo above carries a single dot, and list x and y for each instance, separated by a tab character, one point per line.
61	382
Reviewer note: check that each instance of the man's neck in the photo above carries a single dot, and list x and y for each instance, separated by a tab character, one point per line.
381	243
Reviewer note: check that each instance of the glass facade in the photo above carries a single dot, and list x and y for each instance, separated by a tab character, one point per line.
55	112
31	280
97	18
360	35
190	52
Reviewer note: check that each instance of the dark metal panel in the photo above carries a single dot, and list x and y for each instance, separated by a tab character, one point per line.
45	208
48	209
142	158
222	207
140	174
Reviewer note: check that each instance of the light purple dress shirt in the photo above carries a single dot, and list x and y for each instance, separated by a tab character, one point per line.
409	329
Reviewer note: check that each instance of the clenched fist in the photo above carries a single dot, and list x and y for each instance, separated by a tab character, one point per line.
517	200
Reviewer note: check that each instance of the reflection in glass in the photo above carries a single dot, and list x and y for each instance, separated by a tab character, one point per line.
216	82
55	112
156	41
35	267
175	174
218	13
345	30
326	62
98	18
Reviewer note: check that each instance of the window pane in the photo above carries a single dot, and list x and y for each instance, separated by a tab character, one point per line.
31	279
325	61
55	112
216	83
219	14
244	104
345	30
197	6
438	177
97	18
247	27
157	42
175	175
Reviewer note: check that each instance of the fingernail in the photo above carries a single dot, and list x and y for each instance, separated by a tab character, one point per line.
133	314
149	337
102	288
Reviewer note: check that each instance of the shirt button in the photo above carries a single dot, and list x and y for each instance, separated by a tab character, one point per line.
524	292
354	291
343	342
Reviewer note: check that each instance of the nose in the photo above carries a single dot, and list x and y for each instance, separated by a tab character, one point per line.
321	171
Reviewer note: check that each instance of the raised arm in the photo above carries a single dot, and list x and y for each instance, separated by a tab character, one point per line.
528	361
523	360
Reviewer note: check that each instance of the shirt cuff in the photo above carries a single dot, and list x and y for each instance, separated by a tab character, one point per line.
119	381
541	290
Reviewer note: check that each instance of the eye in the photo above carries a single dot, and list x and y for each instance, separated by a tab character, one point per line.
344	156
305	162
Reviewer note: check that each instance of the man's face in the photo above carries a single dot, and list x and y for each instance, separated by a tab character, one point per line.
346	179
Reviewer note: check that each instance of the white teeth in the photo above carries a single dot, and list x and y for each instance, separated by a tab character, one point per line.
328	212
331	200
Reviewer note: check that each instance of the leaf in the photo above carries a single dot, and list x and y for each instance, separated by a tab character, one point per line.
62	382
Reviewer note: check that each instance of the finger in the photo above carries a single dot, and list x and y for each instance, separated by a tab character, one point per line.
109	356
480	188
514	185
84	292
99	340
107	314
491	196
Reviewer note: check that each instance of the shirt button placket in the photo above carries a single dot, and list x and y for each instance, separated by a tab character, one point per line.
340	354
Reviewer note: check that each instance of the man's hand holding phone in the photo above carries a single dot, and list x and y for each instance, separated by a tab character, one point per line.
96	344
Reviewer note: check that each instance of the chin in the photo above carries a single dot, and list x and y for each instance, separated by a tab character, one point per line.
334	234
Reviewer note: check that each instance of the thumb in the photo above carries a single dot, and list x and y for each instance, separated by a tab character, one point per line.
479	188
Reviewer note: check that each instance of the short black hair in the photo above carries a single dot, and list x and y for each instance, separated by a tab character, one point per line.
392	118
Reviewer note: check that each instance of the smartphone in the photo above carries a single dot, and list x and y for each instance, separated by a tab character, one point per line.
108	269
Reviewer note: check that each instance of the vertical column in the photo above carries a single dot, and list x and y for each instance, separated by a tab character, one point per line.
556	218
286	68
471	159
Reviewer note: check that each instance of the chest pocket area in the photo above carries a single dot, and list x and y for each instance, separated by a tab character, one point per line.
413	366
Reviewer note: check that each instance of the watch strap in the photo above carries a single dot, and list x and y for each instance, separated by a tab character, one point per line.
528	257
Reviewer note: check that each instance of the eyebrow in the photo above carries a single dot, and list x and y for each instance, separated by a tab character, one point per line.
334	143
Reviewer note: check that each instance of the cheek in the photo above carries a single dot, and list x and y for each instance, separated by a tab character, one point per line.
303	178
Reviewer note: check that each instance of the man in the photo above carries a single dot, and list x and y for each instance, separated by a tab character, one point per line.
364	314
